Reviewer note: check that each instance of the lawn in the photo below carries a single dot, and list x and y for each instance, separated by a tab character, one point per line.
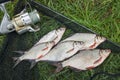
101	16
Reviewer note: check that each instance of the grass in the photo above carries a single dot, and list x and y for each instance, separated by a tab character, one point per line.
101	16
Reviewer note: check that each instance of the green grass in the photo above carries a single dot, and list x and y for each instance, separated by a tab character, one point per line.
102	16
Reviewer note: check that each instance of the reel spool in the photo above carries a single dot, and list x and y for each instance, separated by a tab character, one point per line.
25	22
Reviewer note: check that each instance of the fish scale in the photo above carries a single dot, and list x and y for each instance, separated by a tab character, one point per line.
62	51
37	51
59	52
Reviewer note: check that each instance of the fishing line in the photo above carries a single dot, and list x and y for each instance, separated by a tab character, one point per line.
105	73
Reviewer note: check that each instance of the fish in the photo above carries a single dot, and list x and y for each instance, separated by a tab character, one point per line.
50	39
91	40
84	60
35	52
62	51
54	35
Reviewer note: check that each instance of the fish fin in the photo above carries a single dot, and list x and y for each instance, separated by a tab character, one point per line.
75	69
53	63
70	50
33	63
17	61
55	38
59	68
20	52
93	45
40	56
90	67
97	61
45	49
38	43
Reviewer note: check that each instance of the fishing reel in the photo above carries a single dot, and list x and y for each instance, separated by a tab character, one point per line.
21	23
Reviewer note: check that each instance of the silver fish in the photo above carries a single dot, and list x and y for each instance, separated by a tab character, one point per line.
54	35
35	52
62	51
91	40
50	39
85	60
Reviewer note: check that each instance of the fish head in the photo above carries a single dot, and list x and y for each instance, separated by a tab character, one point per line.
103	54
91	44
99	39
78	45
59	33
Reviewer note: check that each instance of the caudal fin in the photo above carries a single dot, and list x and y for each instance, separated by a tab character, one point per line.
33	63
17	61
59	67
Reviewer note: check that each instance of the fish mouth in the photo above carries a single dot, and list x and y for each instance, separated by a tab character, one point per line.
61	29
108	50
100	38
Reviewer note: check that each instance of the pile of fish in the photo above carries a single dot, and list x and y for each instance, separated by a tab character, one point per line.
76	52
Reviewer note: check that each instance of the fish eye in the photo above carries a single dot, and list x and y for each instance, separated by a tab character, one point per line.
97	37
61	29
75	43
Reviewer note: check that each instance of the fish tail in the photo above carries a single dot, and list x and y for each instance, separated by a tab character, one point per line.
20	52
33	63
17	61
59	67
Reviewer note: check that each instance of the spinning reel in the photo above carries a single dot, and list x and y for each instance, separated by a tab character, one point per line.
21	23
